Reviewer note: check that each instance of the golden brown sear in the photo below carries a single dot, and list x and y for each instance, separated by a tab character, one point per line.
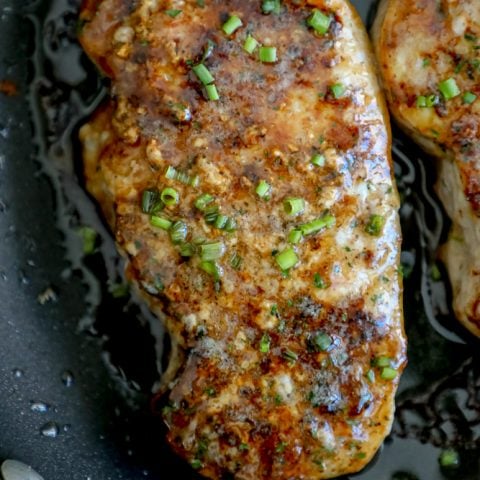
243	163
429	55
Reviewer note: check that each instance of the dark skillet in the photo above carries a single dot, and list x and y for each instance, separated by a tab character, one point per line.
78	358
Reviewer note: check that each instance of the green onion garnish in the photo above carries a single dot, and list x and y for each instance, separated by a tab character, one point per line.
196	464
212	251
202	201
318	160
169	196
187	250
231	225
220	222
89	237
468	98
382	361
295	236
370	376
338	89
149	199
290	356
212	93
212	269
426	101
263	189
178	232
271	6
250	44
449	88
236	261
287	258
327	221
171	173
160	222
232	24
173	13
375	225
294	206
449	458
211	214
388	373
319	22
319	282
265	343
267	54
322	341
203	74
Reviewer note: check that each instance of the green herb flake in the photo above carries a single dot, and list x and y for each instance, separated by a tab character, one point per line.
468	98
375	225
265	343
89	237
338	90
449	458
271	6
173	13
319	282
280	448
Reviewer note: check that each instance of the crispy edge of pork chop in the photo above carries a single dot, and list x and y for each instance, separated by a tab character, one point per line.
418	45
281	439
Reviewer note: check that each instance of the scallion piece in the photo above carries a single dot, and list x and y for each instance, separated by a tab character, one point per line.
231	225
449	458
263	189
178	232
171	173
149	199
319	282
160	222
202	201
250	44
287	258
211	214
449	88
236	261
173	13
375	225
318	160
290	356
232	24
294	206
322	341
421	101
195	181
295	236
338	89
212	251
327	221
187	250
89	237
196	464
319	22
265	343
383	361
267	54
169	196
212	269
468	98
212	93
271	6
388	373
221	221
203	74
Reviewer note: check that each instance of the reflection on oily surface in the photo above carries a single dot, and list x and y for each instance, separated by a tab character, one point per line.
437	407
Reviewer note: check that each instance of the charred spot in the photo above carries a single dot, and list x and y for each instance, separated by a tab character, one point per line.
265	365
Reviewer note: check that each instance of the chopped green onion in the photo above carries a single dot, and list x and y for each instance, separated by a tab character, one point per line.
211	214
195	181
338	89
449	88
375	225
426	101
250	44
265	343
421	101
267	54
160	222
203	74
425	62
271	6
287	258
169	196
173	13
236	261
290	356
187	250
468	98
294	206
370	376
263	189
295	236
388	373
319	22
171	173
196	464
178	232
212	269
149	199
318	160
231	225
89	237
383	361
232	24
221	221
449	458
202	201
327	221
322	341
212	251
212	93
319	282
280	448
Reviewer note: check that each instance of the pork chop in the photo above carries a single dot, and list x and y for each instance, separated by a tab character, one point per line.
243	163
429	55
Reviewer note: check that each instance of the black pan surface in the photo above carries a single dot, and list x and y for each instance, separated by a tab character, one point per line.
78	355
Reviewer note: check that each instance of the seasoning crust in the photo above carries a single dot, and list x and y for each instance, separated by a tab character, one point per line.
259	219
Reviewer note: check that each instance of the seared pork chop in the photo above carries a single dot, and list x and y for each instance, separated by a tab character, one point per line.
243	163
429	55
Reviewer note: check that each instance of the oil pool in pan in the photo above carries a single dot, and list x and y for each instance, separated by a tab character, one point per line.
78	355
